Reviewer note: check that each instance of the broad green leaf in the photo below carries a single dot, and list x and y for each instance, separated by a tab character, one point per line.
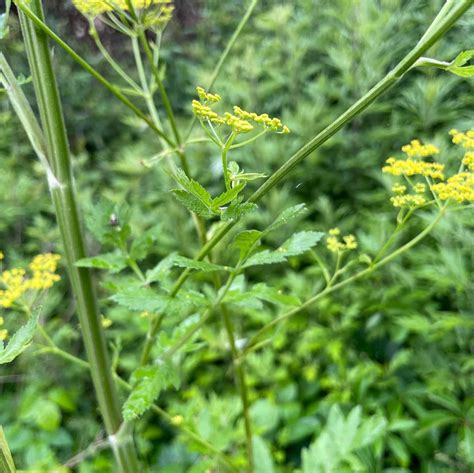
204	266
286	216
237	210
295	245
6	461
20	341
148	382
245	241
262	456
113	262
457	66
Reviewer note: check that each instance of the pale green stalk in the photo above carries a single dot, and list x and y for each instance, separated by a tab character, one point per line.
107	56
66	209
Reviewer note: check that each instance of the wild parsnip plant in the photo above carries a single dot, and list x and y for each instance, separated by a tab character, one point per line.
176	298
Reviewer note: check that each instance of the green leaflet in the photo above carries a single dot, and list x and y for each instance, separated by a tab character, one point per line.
147	299
286	216
295	245
193	195
161	271
20	341
198	200
226	197
260	292
193	203
262	456
340	438
113	262
148	382
237	210
457	66
245	241
184	262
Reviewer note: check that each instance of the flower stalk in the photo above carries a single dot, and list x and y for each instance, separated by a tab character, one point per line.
67	214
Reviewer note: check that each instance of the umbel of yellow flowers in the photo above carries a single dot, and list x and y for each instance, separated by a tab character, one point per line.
240	121
458	187
15	282
96	7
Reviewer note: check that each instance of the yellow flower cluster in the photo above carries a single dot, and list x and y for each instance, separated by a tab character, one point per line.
407	200
206	96
416	149
43	268
96	7
468	160
398	188
239	121
334	244
273	124
413	167
466	139
15	281
459	187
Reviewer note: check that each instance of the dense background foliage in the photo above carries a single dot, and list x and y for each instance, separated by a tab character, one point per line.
399	345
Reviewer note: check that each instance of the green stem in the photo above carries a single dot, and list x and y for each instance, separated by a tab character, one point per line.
242	384
65	203
322	266
225	169
329	289
373	94
224	55
39	22
113	63
250	140
164	95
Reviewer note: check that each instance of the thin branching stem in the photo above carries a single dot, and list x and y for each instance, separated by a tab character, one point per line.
255	340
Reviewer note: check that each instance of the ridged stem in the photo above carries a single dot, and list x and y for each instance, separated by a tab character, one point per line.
67	214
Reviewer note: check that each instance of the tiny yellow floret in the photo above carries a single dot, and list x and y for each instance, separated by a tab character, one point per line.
335	245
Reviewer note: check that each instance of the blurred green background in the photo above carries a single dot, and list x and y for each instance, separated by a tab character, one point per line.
399	345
